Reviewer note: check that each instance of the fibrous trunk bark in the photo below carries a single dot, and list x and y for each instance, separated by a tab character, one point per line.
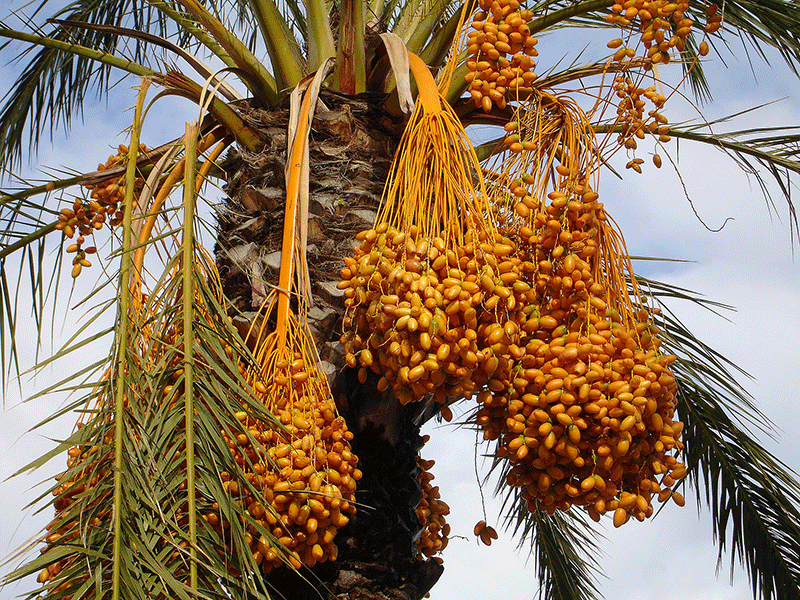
351	146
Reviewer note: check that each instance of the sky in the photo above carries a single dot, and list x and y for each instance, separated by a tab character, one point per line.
750	264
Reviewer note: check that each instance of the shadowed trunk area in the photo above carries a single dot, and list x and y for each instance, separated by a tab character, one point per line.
351	146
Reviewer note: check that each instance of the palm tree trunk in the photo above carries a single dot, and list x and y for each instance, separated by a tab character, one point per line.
352	144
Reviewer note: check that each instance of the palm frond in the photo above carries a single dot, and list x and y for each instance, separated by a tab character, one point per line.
155	557
191	29
564	545
57	79
753	497
55	83
773	151
763	23
761	152
29	213
288	63
179	84
198	65
441	39
321	45
121	350
418	21
25	223
258	79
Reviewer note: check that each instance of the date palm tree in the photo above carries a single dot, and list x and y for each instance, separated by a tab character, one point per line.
161	498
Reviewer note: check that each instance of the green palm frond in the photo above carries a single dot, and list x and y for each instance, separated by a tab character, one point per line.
320	40
564	545
25	223
153	515
156	553
294	15
772	151
753	497
288	63
58	78
54	84
177	83
418	20
201	68
763	23
189	28
774	23
28	216
441	38
549	13
565	549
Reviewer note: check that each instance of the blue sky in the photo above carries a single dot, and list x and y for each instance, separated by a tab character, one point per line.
749	264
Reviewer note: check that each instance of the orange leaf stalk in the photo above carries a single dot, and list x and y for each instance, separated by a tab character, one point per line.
428	91
164	191
454	57
290	221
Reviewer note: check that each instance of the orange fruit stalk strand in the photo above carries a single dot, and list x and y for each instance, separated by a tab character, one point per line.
581	402
305	471
417	271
